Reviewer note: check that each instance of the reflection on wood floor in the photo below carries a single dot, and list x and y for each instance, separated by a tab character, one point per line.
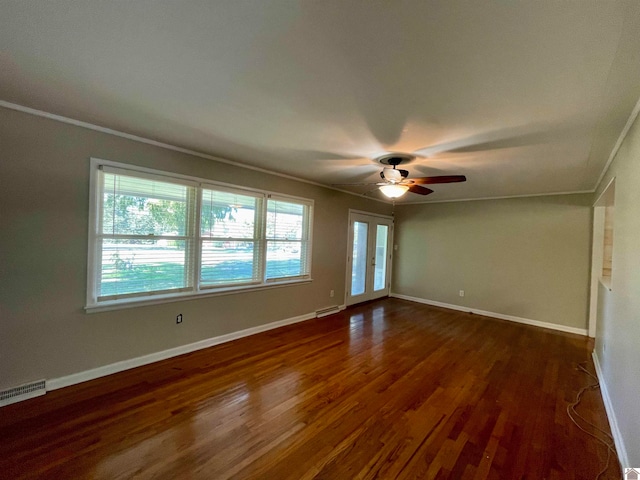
389	389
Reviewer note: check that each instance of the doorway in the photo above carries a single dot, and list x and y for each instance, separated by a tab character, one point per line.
368	257
602	250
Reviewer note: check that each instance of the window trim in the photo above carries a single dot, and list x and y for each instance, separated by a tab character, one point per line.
305	239
198	291
200	239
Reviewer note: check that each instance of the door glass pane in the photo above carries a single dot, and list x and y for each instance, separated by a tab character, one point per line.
380	272
359	256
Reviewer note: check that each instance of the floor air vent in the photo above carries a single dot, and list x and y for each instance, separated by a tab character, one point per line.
22	392
323	312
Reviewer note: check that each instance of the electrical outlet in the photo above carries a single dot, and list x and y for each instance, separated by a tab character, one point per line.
179	318
332	293
462	293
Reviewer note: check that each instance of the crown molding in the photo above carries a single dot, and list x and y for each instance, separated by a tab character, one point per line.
167	146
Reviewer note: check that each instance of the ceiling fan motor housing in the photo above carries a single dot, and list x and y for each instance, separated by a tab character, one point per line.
393	160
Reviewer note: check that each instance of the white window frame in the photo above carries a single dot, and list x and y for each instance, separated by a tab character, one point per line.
256	235
197	290
305	241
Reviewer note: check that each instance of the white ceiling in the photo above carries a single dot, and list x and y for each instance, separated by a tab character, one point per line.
522	97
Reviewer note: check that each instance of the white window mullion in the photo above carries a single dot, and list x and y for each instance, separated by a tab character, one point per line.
307	235
197	235
191	247
261	239
94	252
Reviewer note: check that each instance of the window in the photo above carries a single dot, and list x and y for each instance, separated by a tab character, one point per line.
155	235
287	239
229	239
143	236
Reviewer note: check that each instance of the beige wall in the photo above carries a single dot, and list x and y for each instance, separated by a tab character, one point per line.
618	323
523	257
44	192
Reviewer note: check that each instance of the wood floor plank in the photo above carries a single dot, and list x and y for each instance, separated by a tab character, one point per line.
384	390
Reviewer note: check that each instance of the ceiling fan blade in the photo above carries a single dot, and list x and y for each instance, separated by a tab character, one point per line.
310	155
438	179
511	137
420	190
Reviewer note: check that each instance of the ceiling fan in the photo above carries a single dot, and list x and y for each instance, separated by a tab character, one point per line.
395	182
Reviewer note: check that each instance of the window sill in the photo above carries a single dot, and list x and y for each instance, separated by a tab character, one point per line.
180	297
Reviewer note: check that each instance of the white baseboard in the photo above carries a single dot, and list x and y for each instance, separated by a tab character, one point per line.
526	321
611	415
60	382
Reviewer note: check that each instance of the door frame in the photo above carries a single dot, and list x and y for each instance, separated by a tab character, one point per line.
606	199
348	272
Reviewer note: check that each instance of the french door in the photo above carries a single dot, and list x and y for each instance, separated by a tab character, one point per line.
369	257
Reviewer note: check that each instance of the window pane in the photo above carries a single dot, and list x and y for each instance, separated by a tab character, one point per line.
228	215
134	265
227	263
285	220
380	271
359	258
284	259
139	206
286	239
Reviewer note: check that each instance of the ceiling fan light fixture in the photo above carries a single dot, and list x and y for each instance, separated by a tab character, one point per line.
394	190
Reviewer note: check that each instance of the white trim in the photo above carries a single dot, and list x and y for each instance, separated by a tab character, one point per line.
526	321
597	256
604	200
75	378
621	137
526	195
136	138
362	212
598	202
623	134
155	143
611	415
96	186
181	297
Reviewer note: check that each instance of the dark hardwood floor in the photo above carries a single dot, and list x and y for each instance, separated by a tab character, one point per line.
389	389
